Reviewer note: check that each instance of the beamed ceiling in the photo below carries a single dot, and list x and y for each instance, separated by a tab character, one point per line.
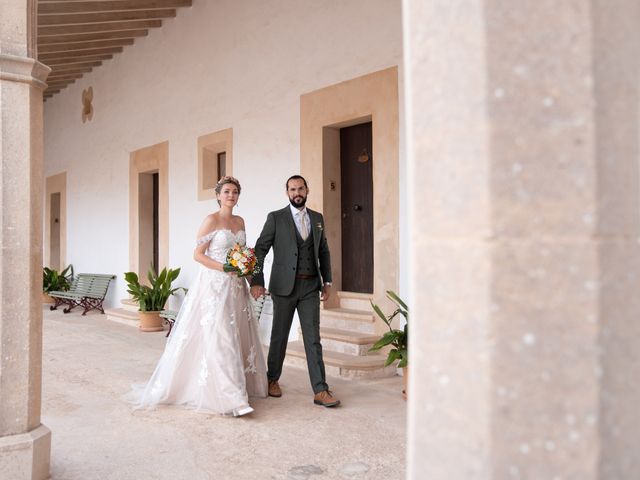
76	36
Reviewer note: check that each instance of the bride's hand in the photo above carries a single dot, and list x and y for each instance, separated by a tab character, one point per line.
257	291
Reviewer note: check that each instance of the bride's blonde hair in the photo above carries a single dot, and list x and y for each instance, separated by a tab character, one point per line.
224	181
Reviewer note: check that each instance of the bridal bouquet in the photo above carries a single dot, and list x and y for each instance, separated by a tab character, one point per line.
242	260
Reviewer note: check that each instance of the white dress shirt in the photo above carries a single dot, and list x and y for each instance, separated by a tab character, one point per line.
296	218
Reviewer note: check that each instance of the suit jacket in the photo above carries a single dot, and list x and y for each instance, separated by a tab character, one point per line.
279	233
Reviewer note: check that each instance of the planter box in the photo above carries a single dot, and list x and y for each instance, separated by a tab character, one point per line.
47	299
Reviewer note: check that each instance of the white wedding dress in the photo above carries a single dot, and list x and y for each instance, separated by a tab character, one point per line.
213	360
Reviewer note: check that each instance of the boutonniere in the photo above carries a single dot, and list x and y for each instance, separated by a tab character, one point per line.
319	226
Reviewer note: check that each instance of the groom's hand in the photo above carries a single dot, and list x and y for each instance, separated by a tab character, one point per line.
326	292
257	291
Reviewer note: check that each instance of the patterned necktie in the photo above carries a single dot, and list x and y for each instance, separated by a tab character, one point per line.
304	233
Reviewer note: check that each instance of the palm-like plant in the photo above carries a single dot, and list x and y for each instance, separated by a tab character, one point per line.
398	339
152	298
54	281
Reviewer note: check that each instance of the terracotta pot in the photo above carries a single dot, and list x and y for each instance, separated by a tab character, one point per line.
405	377
150	322
47	299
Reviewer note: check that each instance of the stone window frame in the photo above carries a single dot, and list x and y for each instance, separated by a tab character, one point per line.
213	144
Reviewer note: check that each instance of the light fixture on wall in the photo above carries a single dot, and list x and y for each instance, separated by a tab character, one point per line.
87	108
364	156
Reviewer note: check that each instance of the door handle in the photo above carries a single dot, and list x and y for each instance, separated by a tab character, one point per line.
357	208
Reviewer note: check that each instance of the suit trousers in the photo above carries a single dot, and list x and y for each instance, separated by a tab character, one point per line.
306	299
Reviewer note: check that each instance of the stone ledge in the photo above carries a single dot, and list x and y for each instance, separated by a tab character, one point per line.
348	365
356	301
348	336
121	315
26	456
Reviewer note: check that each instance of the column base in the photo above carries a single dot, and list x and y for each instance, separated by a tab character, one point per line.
26	456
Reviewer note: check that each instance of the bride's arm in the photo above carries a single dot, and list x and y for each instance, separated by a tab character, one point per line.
208	226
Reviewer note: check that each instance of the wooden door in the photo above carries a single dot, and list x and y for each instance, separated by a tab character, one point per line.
357	208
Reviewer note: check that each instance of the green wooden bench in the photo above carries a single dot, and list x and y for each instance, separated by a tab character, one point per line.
170	315
87	290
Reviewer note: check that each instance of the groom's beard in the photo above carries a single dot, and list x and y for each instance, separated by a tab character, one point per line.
298	202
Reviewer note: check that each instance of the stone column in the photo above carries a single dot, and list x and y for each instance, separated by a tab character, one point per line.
523	127
24	441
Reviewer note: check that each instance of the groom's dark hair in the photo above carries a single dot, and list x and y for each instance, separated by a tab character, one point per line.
295	177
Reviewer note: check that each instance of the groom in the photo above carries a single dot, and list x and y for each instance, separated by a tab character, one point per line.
301	269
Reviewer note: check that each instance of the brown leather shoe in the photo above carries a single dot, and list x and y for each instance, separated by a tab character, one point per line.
274	389
326	399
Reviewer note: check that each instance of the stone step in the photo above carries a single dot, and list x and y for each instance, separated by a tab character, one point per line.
345	341
356	301
342	365
122	315
129	304
348	319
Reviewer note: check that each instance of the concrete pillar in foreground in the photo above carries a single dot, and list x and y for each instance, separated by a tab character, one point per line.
525	337
24	441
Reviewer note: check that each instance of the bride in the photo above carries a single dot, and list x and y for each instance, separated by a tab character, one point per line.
213	360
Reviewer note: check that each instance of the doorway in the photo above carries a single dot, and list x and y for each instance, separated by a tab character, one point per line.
148	209
148	222
54	232
323	113
356	180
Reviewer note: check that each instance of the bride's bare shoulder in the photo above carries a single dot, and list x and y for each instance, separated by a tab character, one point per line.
239	222
208	225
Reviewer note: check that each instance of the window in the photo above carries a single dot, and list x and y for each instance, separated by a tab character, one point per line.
214	161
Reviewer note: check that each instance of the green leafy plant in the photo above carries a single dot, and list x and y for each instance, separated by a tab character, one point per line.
398	339
54	281
152	298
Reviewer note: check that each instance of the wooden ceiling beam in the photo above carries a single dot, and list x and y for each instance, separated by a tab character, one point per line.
58	67
79	53
60	85
55	60
83	70
97	27
108	6
87	37
57	82
70	47
76	36
64	76
99	17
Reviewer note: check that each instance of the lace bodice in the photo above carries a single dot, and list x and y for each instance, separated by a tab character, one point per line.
220	241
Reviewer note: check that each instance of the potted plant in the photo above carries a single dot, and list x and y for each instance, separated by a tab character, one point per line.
397	339
54	281
152	298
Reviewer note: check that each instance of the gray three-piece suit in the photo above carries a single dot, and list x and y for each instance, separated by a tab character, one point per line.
300	268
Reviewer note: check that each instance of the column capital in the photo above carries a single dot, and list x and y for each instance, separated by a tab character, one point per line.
23	69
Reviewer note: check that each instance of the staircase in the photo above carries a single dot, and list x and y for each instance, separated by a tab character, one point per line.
127	315
347	333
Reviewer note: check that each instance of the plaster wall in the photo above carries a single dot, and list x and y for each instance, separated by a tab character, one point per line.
217	65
